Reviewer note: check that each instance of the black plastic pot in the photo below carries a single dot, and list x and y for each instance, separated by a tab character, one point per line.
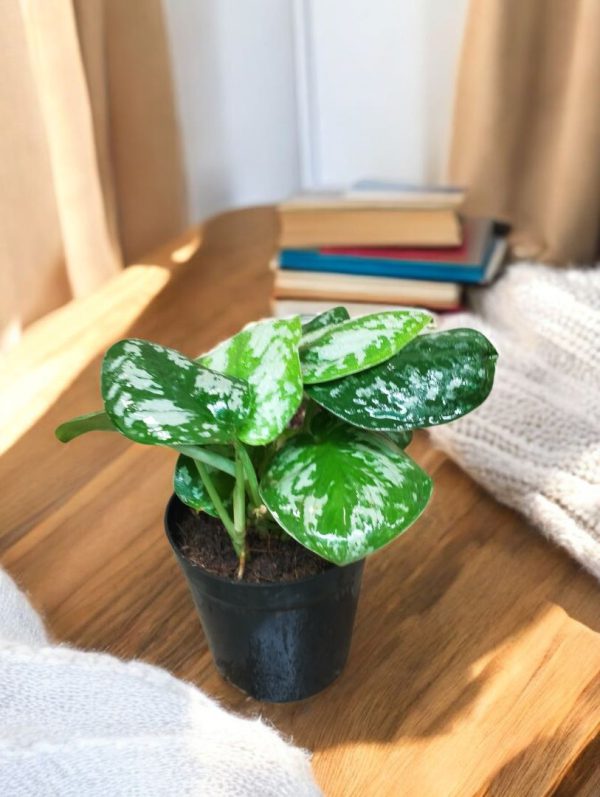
276	642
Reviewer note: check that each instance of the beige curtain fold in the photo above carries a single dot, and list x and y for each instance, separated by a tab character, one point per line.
526	139
90	163
128	69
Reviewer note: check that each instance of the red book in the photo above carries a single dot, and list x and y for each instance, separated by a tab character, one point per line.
476	234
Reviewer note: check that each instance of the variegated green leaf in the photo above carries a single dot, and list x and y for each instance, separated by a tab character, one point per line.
155	395
190	488
266	355
92	422
316	326
342	492
435	379
360	343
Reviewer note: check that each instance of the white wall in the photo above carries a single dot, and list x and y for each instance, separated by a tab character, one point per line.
378	87
278	93
235	80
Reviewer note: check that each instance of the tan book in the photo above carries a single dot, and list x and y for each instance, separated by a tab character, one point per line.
283	308
321	286
314	227
396	200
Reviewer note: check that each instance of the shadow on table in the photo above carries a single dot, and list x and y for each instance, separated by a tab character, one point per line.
528	772
444	611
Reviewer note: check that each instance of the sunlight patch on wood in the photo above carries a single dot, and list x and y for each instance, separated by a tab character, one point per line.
178	251
55	349
185	252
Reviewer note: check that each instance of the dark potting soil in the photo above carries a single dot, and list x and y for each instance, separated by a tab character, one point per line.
203	540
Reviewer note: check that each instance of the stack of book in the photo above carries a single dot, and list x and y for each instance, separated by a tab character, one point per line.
381	244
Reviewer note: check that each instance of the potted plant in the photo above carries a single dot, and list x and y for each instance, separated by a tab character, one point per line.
291	470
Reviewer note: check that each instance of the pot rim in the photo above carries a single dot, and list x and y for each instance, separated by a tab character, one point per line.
246	584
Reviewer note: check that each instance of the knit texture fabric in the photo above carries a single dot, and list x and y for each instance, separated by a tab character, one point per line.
79	724
535	443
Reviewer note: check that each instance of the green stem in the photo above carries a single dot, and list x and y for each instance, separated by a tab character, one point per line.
239	510
207	457
309	413
218	504
240	449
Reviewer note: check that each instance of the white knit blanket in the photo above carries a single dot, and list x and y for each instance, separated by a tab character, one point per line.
535	442
76	724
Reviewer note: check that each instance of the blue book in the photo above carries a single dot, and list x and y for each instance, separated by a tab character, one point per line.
313	260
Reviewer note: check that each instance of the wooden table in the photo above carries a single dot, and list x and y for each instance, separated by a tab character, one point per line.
475	661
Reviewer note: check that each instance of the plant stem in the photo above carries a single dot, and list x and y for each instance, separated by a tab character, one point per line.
239	510
201	454
240	449
241	566
309	413
218	504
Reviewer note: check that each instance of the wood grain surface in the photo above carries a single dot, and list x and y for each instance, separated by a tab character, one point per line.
475	663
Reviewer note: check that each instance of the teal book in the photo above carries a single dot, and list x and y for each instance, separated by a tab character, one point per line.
474	262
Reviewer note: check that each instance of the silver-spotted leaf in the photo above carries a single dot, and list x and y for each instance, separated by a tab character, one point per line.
359	343
316	326
343	493
435	379
91	422
265	354
157	396
190	488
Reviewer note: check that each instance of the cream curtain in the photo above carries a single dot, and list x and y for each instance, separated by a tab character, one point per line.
90	165
527	123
